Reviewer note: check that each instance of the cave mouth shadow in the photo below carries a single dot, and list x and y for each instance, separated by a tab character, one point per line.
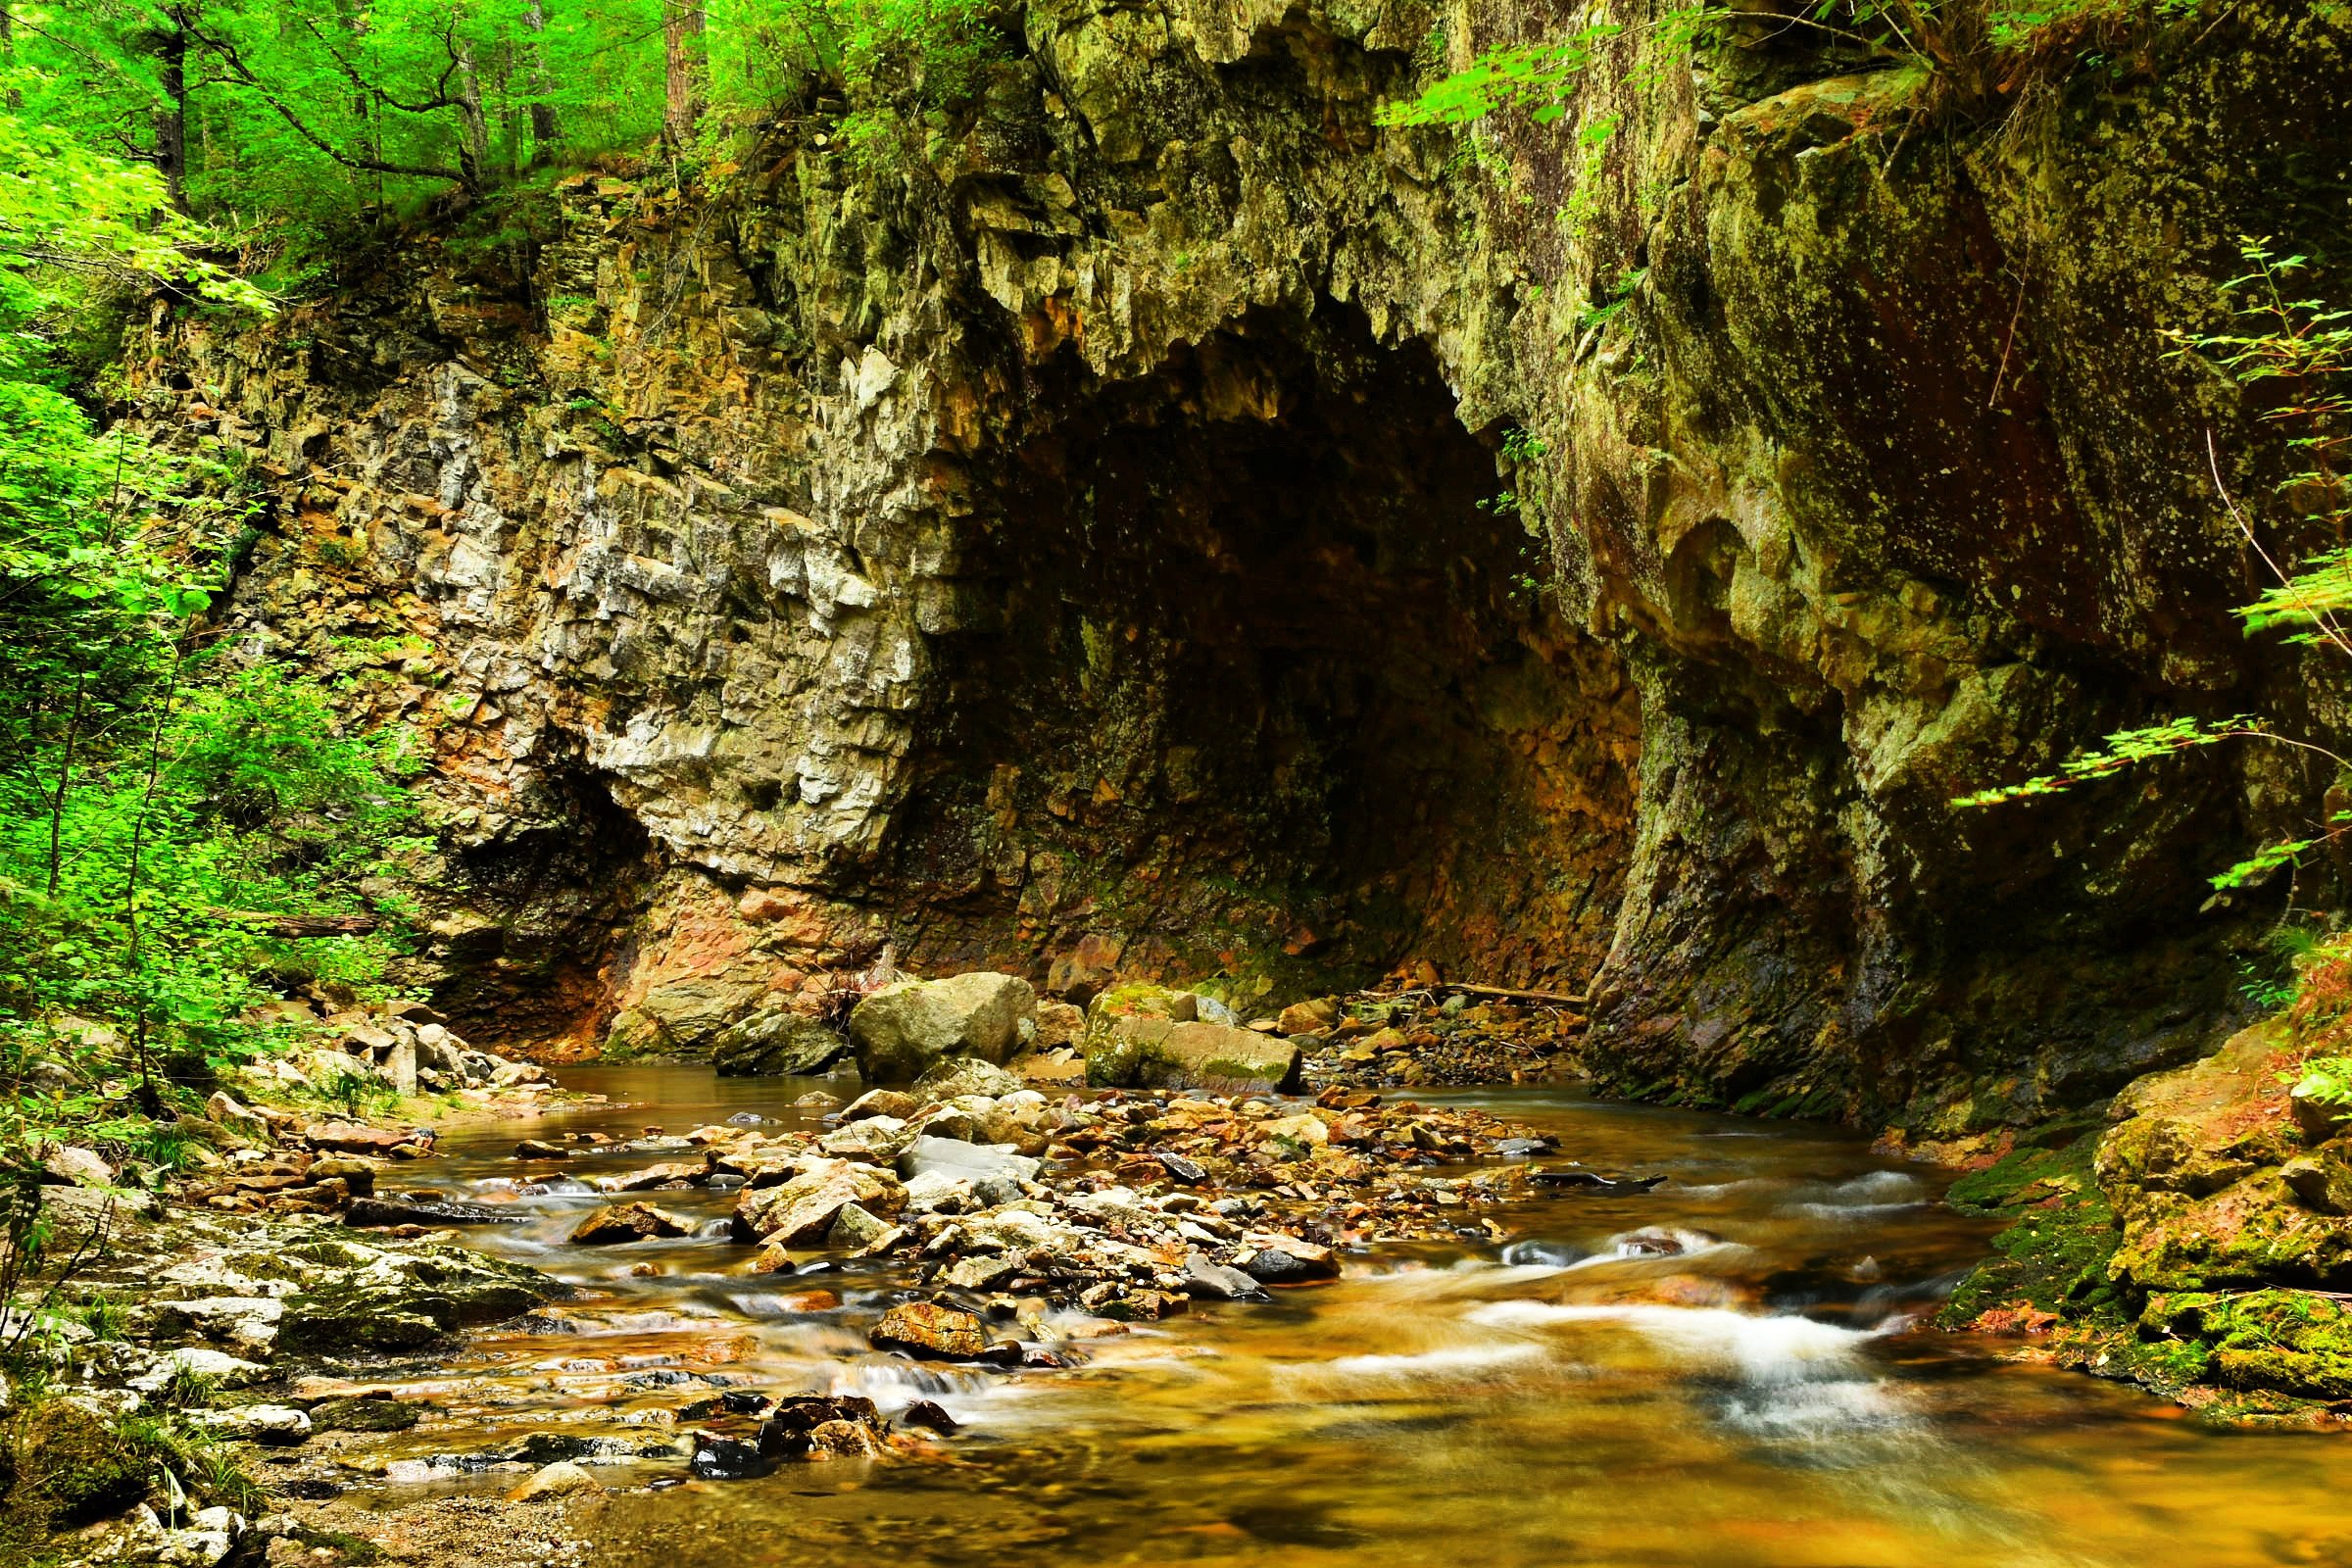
1266	680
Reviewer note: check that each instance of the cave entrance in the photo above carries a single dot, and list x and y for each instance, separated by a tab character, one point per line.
1264	684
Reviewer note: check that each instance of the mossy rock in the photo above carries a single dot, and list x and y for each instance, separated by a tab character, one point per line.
2287	1341
73	1464
362	1415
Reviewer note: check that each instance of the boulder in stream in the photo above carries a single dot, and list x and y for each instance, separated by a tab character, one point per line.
777	1044
902	1029
804	1208
627	1222
930	1331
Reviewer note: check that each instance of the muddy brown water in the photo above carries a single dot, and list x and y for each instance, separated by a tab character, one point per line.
1541	1401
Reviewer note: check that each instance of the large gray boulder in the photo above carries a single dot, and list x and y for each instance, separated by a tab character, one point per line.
902	1029
953	1159
777	1044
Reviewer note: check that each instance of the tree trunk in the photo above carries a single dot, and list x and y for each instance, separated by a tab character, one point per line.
171	119
545	135
473	130
684	71
8	55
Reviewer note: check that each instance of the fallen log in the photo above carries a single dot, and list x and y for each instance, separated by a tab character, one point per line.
1553	999
297	927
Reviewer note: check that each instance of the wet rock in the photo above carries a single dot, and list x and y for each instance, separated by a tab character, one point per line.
249	1322
845	1440
777	1044
216	1367
1206	1277
362	1414
978	1273
1140	1052
1291	1262
1544	1254
801	1426
357	1138
354	1173
860	1231
892	1102
804	1208
1575	1178
957	1161
734	1401
717	1459
1058	1024
1658	1241
627	1222
875	1140
1178	1169
923	1413
381	1212
930	1332
562	1479
538	1149
270	1425
902	1029
1310	1018
953	1077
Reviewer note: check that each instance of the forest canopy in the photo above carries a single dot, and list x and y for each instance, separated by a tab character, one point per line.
304	110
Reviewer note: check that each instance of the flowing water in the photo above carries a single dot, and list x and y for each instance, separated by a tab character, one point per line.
1555	1398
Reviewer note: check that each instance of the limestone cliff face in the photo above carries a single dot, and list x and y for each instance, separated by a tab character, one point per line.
1073	543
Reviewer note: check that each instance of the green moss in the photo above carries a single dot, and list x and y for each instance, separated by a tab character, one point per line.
71	1464
2054	1255
2294	1343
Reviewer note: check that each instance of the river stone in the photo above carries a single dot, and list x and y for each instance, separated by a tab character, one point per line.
857	1228
76	1167
627	1222
271	1425
247	1321
1290	1262
379	1212
777	1044
957	1161
562	1479
930	1332
1134	1053
872	1139
357	1137
215	1367
793	1429
1203	1276
362	1414
902	1029
1310	1018
890	1103
953	1077
804	1209
718	1458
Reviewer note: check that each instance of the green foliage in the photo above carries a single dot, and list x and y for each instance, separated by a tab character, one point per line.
1973	42
283	118
2327	1079
1543	77
166	807
2126	747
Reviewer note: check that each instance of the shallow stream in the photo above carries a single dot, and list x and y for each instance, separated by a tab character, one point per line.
1546	1398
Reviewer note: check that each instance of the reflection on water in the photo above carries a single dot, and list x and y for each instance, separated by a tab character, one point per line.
1722	1371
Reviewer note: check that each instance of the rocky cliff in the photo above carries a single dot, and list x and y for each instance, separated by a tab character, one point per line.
1156	520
